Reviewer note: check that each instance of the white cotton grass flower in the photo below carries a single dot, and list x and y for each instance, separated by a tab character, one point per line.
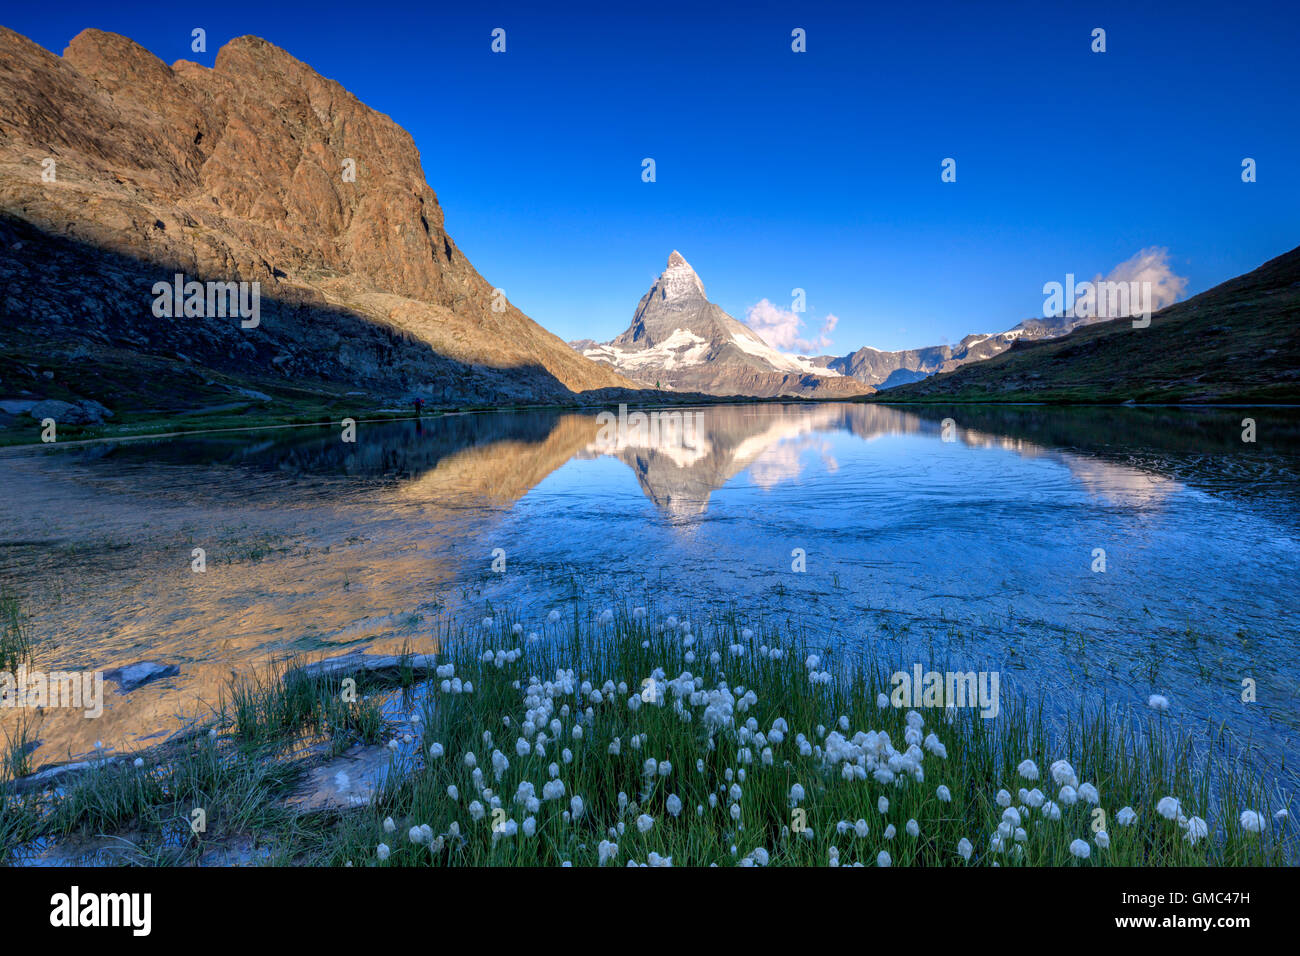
436	750
1088	794
889	832
1063	774
1003	799
1158	702
913	828
1169	808
882	858
1102	839
1126	817
1080	849
964	848
944	794
389	825
553	616
1251	821
796	795
674	804
1196	829
138	762
644	822
1028	769
382	851
605	852
882	805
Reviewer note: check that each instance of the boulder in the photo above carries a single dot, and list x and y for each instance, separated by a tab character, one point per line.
84	412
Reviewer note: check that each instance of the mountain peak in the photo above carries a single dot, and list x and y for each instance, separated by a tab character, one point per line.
679	280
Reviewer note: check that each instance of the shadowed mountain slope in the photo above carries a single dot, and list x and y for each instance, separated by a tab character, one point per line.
1236	342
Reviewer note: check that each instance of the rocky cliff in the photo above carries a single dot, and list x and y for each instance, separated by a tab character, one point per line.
118	171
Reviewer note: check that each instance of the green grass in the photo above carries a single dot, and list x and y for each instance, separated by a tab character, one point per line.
240	777
1130	767
267	708
15	639
149	809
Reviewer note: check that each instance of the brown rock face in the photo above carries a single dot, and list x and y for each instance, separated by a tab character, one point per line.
239	173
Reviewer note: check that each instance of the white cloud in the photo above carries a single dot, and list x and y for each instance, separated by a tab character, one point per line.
1152	265
780	328
1149	268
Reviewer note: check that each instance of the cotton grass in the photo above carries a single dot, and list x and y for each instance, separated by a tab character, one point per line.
767	754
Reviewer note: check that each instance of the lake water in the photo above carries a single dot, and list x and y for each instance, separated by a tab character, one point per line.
966	536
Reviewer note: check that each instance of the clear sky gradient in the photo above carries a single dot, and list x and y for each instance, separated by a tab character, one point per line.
817	170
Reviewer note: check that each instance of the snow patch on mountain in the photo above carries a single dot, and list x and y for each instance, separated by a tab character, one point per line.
780	360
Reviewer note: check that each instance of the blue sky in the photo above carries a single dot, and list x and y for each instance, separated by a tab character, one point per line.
816	170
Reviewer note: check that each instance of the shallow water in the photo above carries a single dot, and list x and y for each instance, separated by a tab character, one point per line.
962	536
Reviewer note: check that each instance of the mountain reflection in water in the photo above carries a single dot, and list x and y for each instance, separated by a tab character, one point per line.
918	524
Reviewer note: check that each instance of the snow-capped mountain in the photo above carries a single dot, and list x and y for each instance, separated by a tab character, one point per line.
885	370
680	340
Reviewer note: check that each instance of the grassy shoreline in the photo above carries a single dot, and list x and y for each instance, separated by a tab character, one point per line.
762	755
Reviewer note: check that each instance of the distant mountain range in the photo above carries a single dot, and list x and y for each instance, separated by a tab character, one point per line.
1238	342
886	370
680	340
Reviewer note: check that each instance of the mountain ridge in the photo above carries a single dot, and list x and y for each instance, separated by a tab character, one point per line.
238	173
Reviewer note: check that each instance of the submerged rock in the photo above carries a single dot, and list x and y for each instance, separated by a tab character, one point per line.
131	676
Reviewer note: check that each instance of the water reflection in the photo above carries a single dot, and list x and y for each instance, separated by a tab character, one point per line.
916	521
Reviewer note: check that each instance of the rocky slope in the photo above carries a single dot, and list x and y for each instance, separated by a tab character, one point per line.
1237	342
118	171
681	340
886	370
